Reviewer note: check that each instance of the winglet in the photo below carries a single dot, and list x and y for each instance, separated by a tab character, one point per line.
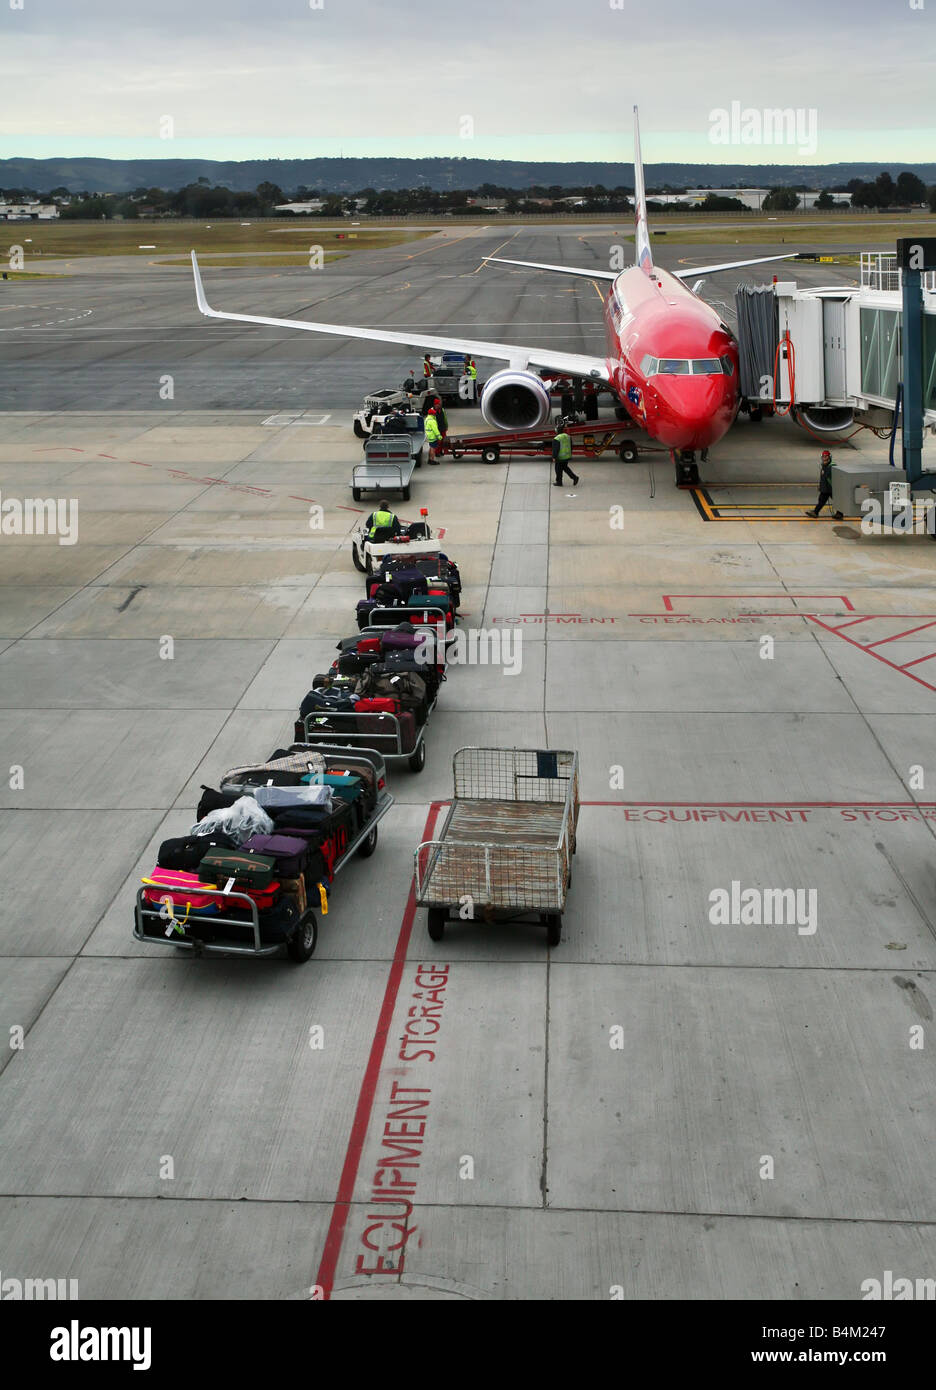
203	304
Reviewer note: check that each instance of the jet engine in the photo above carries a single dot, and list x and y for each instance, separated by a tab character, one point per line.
514	400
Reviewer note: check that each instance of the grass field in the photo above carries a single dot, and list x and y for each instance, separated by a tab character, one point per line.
72	240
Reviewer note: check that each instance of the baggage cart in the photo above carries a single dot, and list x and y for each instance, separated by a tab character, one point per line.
343	729
505	849
164	925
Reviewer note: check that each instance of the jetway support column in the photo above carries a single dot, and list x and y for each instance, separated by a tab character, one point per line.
914	255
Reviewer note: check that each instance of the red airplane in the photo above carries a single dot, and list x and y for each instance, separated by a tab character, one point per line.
671	360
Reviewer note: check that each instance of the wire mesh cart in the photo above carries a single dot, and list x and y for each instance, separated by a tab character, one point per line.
505	850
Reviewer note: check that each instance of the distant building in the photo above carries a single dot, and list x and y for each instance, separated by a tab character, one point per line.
28	212
313	205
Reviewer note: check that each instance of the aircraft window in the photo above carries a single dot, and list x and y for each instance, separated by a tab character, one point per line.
727	366
673	366
649	365
706	366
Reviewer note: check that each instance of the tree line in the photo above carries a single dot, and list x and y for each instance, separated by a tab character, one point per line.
204	200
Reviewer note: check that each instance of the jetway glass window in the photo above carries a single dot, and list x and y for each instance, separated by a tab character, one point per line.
880	352
929	361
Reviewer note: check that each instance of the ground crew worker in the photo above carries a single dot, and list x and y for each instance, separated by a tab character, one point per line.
409	384
825	485
433	435
382	519
472	374
441	417
562	452
427	366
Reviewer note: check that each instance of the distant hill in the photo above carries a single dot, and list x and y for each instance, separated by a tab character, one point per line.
350	175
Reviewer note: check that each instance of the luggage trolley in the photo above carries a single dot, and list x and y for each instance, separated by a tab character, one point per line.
507	843
384	732
245	935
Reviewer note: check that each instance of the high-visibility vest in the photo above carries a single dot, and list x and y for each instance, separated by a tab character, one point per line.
472	371
380	520
427	367
433	433
565	445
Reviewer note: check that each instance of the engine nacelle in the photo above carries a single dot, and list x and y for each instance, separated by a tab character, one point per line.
513	400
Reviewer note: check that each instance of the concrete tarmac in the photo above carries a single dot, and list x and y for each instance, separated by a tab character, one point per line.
110	335
662	1105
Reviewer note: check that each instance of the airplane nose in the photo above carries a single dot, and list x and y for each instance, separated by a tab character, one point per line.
691	412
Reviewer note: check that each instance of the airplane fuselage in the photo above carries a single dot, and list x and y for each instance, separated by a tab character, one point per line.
657	329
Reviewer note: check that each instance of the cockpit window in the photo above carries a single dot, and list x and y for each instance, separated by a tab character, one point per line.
727	366
649	365
673	366
706	366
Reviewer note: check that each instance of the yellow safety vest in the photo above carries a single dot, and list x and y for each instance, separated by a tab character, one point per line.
433	433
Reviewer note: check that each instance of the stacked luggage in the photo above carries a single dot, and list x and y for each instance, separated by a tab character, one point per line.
264	851
383	686
267	843
421	583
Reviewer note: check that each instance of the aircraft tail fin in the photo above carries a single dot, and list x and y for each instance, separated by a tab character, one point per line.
644	254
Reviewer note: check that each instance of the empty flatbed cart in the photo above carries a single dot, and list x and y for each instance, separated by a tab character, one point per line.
505	850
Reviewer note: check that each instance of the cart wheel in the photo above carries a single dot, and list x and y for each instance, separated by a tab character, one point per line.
367	847
359	429
356	494
436	923
553	928
628	451
418	759
357	560
405	494
491	454
301	944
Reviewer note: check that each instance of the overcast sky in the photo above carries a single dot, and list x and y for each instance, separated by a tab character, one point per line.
525	79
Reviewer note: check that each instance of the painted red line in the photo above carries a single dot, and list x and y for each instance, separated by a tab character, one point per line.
63	449
897	638
358	510
325	1278
771	805
108	456
907	664
852	622
141	465
842	598
301	499
876	655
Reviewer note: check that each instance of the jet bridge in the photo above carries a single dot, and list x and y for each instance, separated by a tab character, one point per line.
831	357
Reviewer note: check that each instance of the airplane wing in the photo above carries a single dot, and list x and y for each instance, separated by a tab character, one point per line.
561	269
729	265
571	363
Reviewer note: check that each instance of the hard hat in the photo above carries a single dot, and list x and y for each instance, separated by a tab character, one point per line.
826	454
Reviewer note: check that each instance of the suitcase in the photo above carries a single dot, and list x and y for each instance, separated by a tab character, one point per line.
186	852
379	705
346	785
261	772
409	581
247	870
312	793
182	890
363	611
368	644
212	800
288	853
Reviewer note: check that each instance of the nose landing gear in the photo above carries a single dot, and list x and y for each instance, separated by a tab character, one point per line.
687	470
